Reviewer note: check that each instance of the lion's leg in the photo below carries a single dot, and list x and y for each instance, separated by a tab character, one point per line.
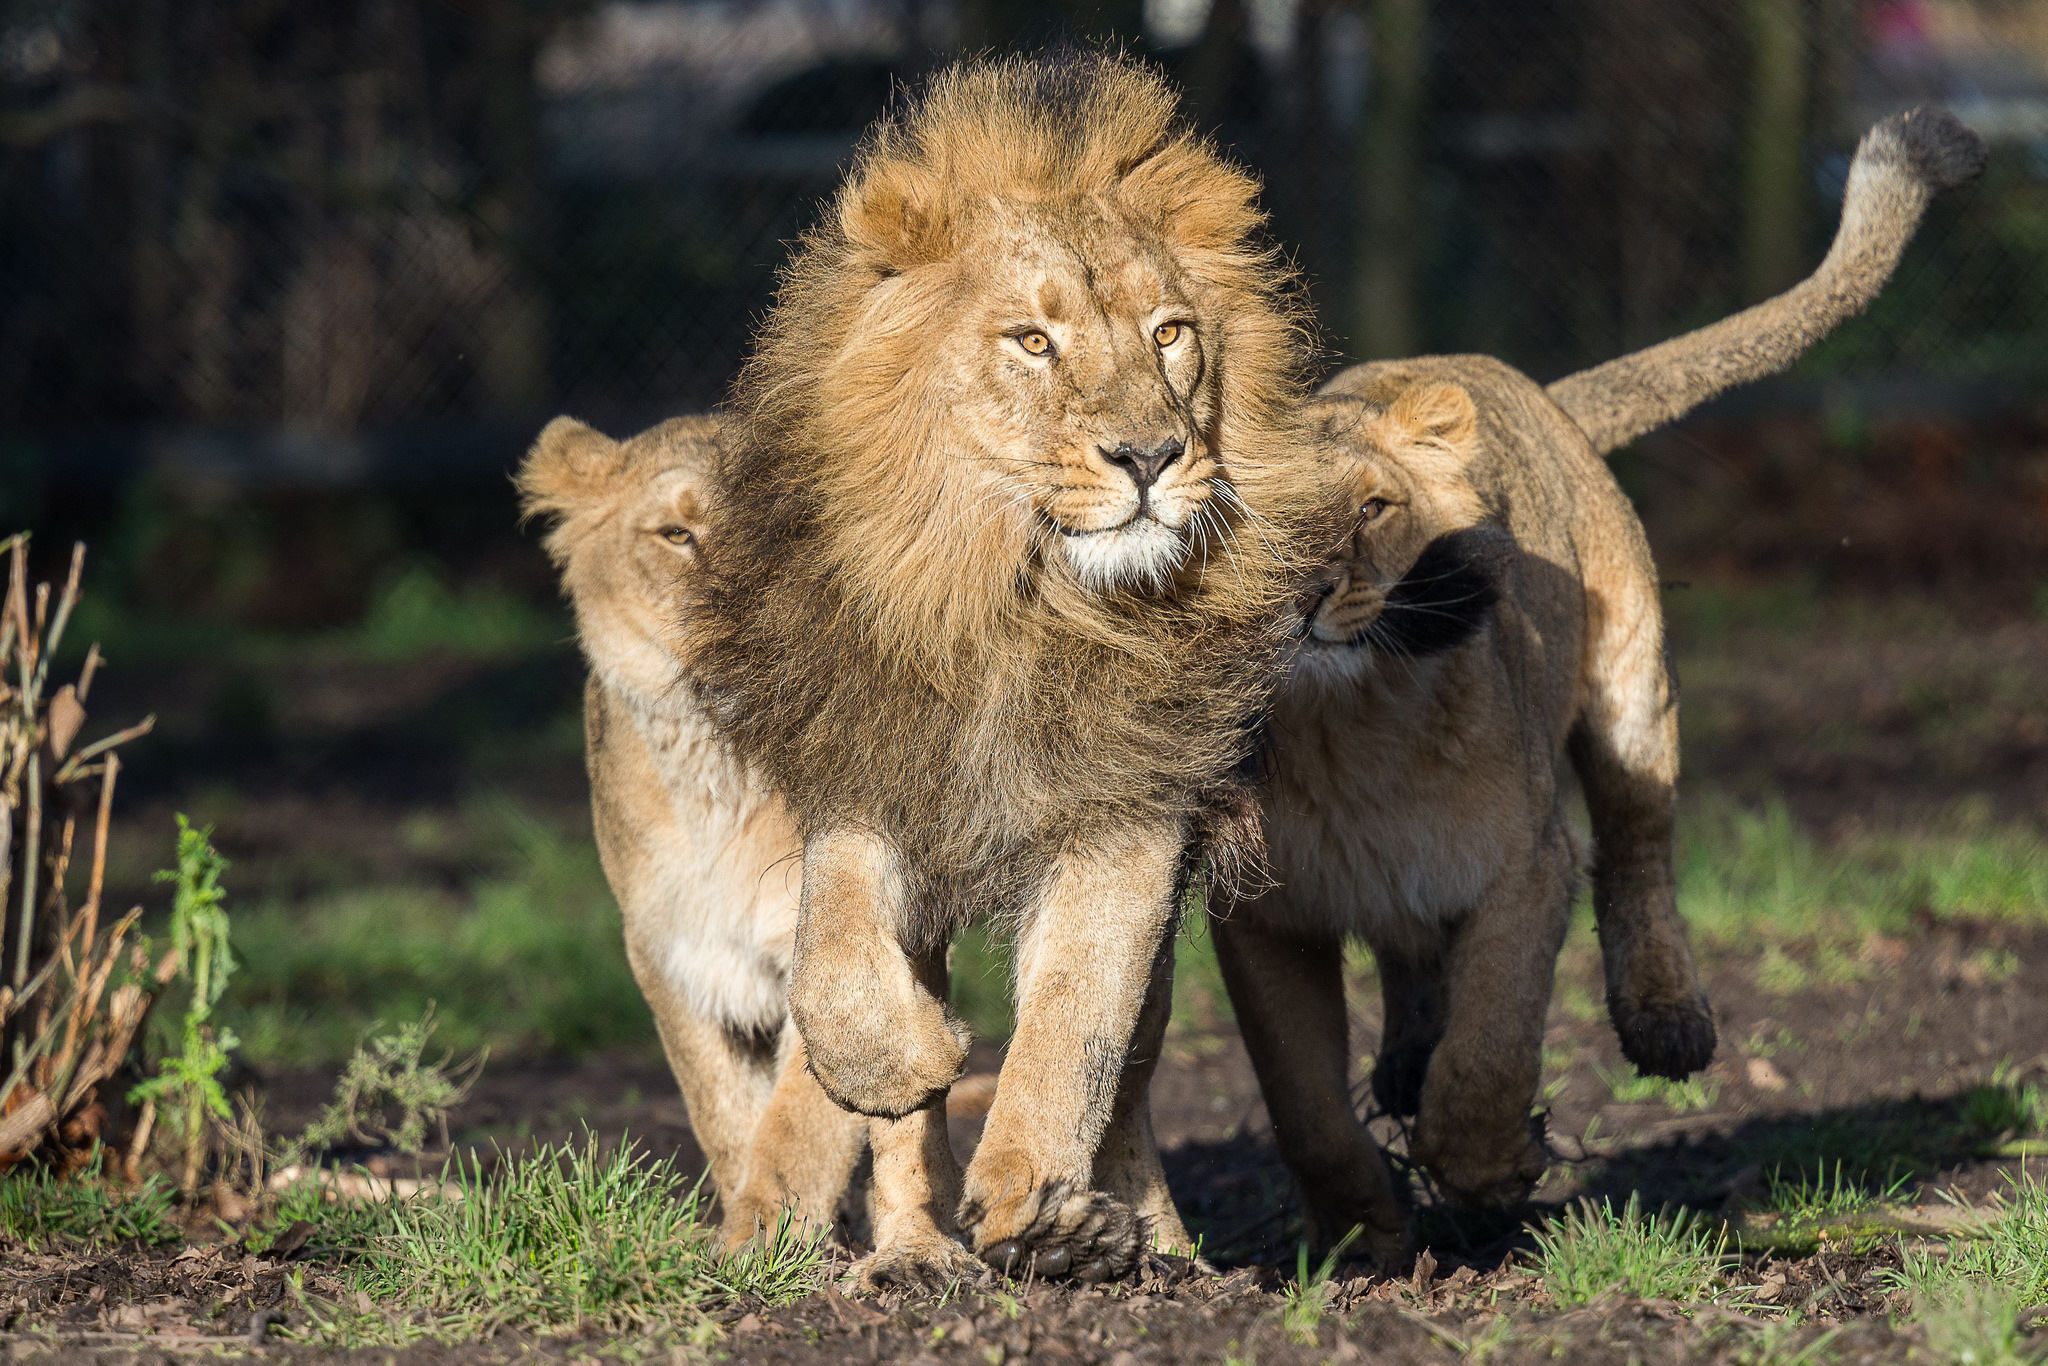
1411	972
726	1077
1083	967
1288	994
802	1156
1625	750
1127	1164
880	1041
916	1186
1473	1130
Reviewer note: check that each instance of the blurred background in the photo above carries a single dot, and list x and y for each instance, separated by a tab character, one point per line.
286	289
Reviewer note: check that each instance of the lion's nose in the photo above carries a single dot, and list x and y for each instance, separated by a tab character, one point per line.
1145	466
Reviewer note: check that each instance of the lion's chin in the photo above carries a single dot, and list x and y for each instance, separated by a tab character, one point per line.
1141	554
1325	666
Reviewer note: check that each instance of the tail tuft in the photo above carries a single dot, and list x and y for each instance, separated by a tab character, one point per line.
1943	150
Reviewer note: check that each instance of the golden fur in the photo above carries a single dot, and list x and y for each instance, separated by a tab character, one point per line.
1492	622
701	854
1015	504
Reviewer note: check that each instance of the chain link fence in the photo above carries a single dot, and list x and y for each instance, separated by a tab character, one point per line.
378	213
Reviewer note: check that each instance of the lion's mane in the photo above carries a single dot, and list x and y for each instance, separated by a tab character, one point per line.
899	660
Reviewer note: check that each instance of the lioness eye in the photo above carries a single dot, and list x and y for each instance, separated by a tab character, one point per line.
1037	343
1166	334
1371	509
678	535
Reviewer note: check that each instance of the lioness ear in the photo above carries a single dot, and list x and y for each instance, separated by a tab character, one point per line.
570	466
1436	415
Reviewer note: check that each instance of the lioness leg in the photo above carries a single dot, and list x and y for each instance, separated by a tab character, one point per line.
1625	750
916	1185
1083	967
1411	971
802	1154
1473	1129
1127	1164
880	1041
1289	997
726	1077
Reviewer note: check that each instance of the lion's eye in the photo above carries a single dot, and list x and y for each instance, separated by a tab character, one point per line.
1166	334
1036	343
678	535
1371	509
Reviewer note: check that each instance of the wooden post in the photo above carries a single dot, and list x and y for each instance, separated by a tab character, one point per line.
1384	322
1776	190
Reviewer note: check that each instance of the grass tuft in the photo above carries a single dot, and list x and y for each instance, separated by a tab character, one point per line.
2010	1255
39	1208
572	1238
1631	1087
1592	1250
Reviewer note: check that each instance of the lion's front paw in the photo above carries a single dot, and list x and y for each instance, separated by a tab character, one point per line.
1052	1229
1666	1038
930	1262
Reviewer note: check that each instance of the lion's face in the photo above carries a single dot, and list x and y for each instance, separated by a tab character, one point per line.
631	518
1091	391
1404	580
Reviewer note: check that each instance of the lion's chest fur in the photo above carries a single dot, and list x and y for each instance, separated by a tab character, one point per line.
703	856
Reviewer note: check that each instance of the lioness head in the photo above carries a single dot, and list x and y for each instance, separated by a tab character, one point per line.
1418	572
1036	347
629	526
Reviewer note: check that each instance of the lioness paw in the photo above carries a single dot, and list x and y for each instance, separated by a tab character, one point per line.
1055	1231
1486	1170
931	1263
1667	1039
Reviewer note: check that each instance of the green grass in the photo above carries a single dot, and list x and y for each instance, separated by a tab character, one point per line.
1592	1250
572	1238
531	958
39	1209
414	613
1824	1197
1631	1087
2009	1255
1748	876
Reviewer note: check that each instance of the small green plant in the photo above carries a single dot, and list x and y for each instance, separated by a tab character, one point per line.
1825	1197
187	1084
1631	1087
569	1238
387	1073
1593	1250
38	1207
1303	1314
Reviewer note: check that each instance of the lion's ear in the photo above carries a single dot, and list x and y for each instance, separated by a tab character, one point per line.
893	213
570	466
1436	415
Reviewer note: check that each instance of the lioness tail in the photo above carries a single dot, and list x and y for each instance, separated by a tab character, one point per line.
1899	166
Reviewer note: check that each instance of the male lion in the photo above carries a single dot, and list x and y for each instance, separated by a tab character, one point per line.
1014	504
700	852
1491	627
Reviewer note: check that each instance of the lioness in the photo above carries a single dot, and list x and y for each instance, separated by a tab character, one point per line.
1490	627
701	854
1013	502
